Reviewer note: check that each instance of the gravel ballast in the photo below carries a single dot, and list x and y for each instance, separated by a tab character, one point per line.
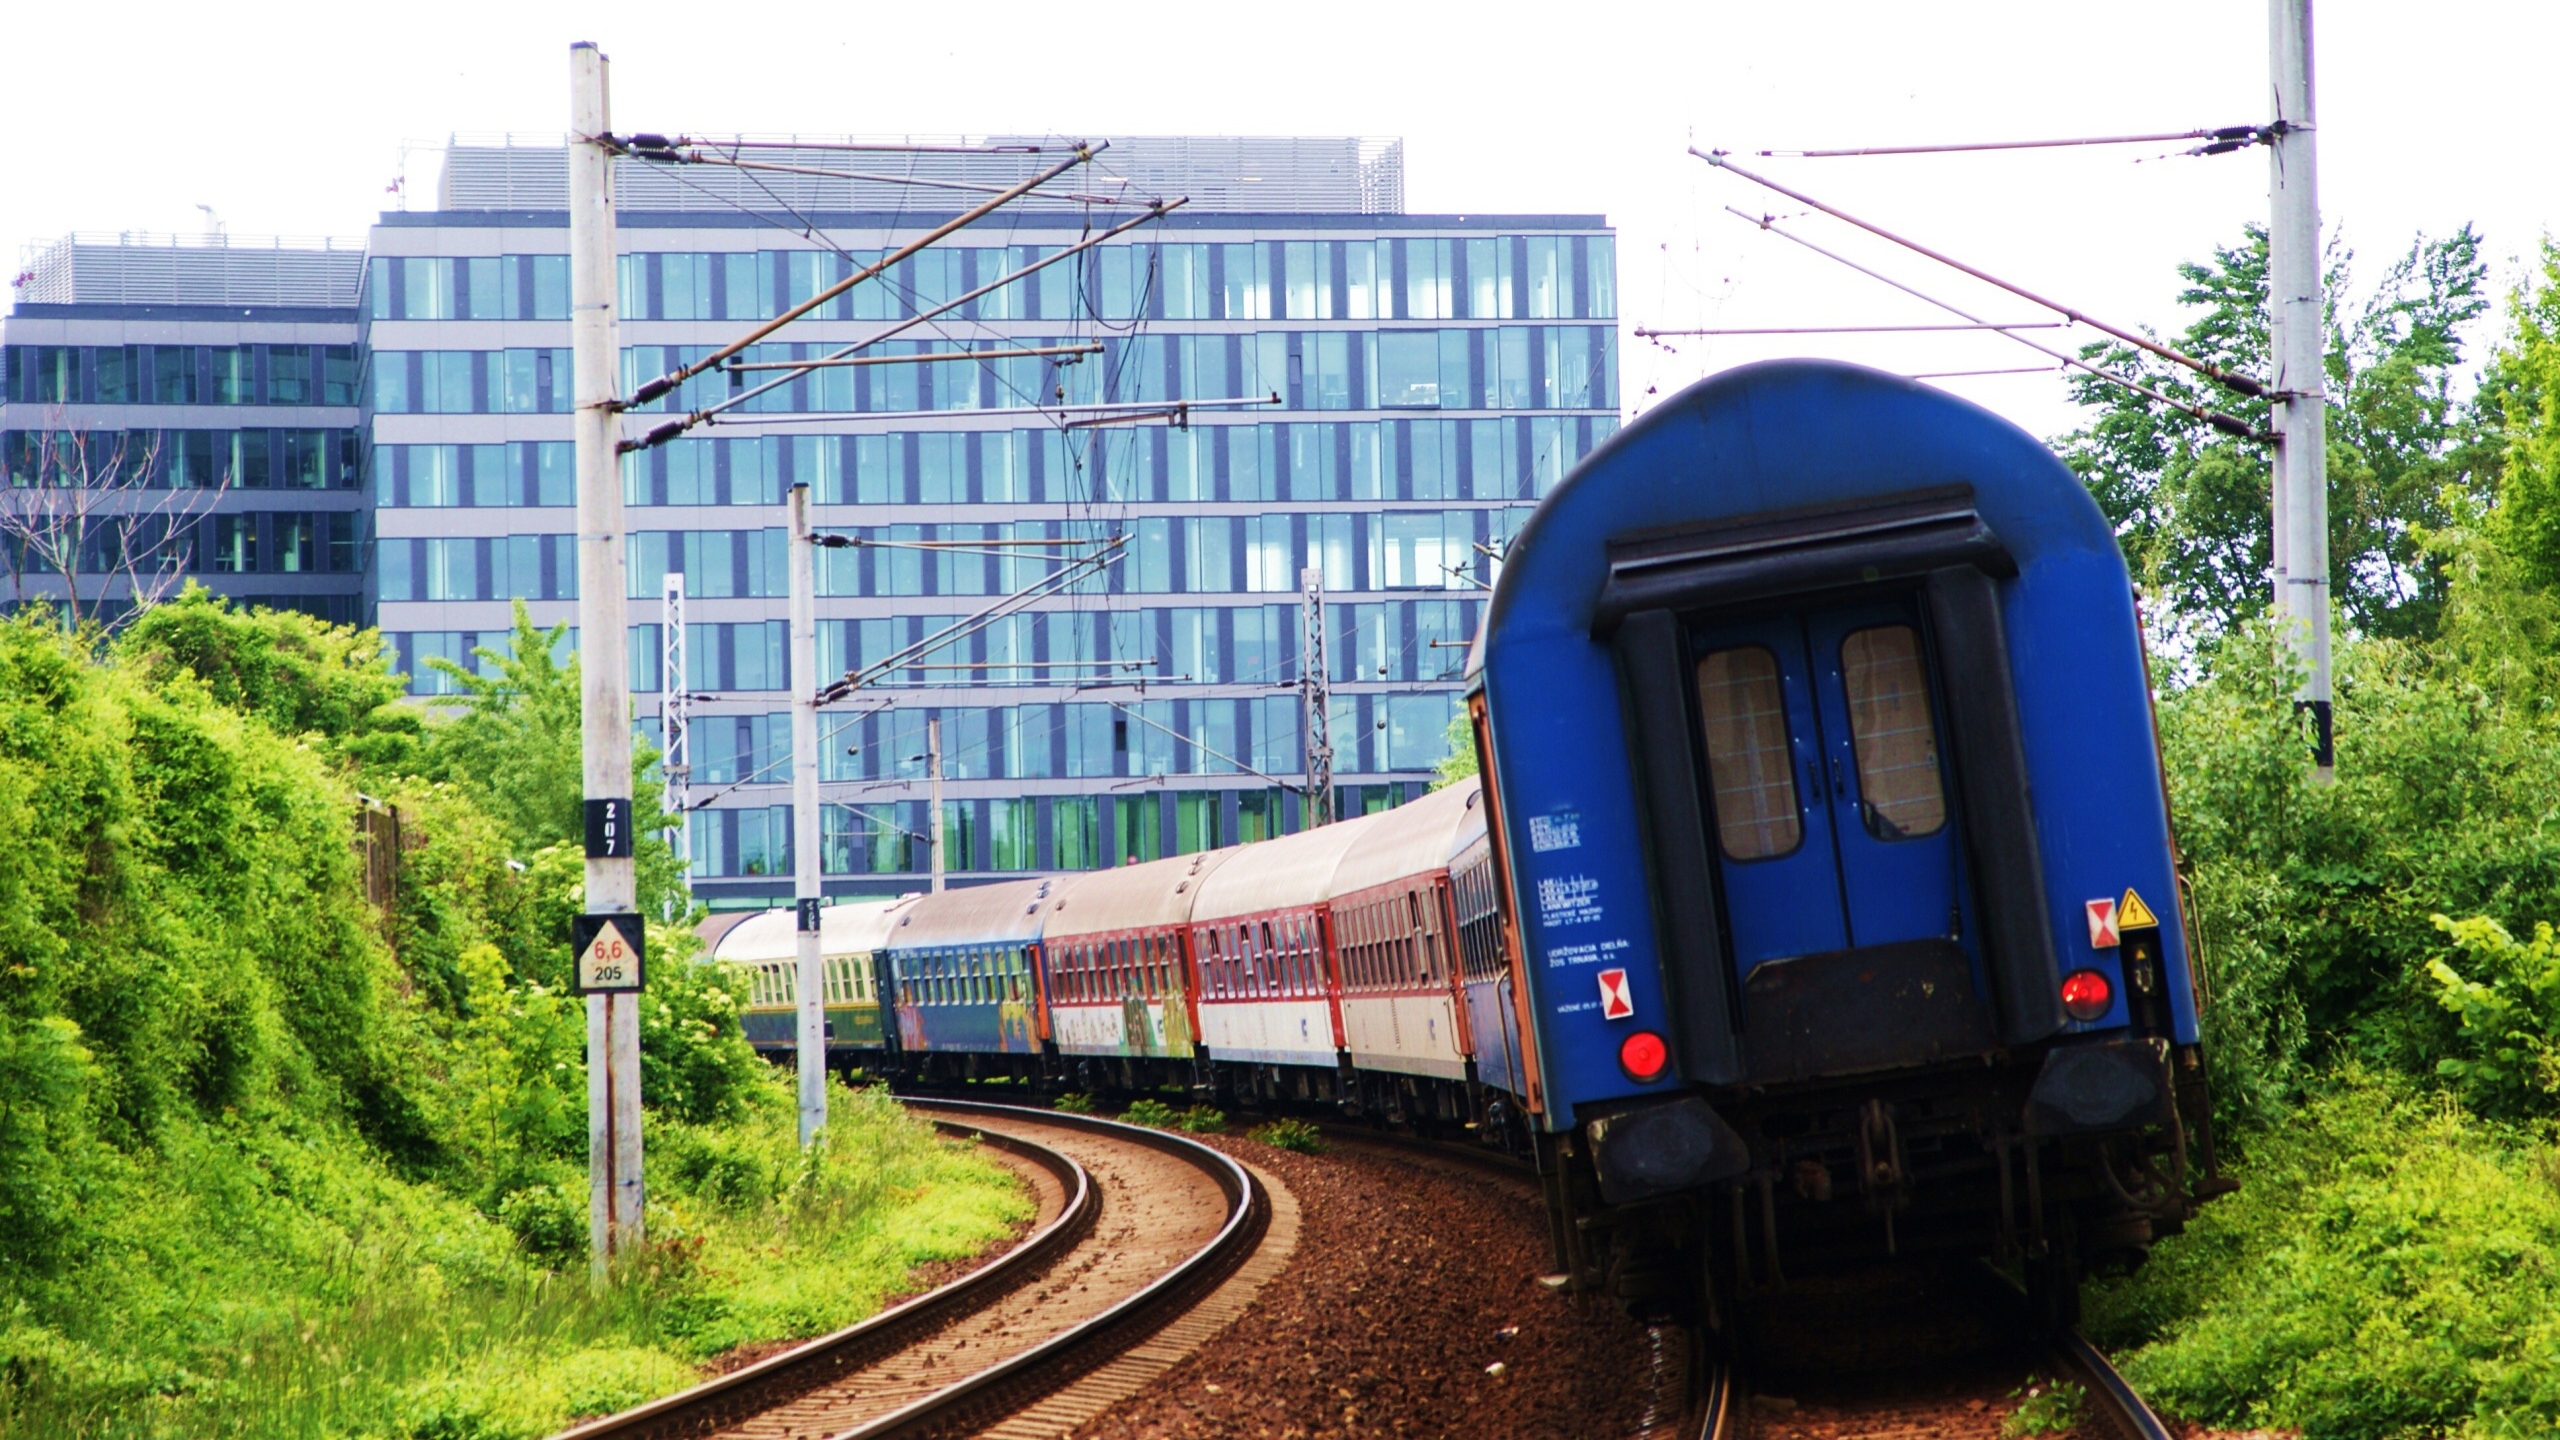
1413	1309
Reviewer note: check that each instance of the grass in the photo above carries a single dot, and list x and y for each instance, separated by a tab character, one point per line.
1294	1135
278	1285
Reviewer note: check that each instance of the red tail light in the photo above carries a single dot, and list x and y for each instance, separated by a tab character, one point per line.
1643	1056
2086	995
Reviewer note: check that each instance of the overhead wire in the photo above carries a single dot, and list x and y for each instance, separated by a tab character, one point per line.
2219	141
2231	379
2228	424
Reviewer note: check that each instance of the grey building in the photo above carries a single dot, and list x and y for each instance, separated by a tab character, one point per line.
212	386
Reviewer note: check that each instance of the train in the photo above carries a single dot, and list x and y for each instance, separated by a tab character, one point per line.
1816	899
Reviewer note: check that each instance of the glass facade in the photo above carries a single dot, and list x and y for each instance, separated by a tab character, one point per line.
1376	398
1423	382
235	429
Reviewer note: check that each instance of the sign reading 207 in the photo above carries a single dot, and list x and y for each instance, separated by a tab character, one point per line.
610	958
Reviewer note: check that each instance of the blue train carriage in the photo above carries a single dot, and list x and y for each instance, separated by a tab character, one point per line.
1123	994
963	968
1492	998
1816	713
1395	934
764	949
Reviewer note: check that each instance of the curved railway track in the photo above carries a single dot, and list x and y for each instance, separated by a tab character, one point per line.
1136	1229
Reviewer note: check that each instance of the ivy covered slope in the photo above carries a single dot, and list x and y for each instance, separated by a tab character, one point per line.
277	1159
2384	1017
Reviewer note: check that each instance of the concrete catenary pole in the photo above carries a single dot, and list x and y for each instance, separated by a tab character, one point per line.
2298	333
615	1190
804	821
933	778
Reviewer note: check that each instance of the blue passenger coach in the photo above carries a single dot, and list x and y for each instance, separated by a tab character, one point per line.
962	969
1815	713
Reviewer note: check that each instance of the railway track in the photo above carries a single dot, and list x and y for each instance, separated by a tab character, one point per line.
1945	1352
1137	1229
1695	1393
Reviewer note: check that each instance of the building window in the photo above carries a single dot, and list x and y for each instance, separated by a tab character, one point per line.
173	374
339	374
232	371
290	377
235	544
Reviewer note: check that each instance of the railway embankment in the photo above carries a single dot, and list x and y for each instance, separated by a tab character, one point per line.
292	1100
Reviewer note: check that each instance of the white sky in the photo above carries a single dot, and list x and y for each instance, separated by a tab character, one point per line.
292	119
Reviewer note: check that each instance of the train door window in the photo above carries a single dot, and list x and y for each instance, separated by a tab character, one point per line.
1890	727
1749	762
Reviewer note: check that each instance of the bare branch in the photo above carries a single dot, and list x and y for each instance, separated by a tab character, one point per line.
83	506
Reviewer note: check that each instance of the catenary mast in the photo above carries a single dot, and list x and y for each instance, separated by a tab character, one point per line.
2296	340
615	1190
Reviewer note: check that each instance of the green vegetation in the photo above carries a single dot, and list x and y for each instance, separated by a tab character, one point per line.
1293	1135
2045	1407
1201	1120
282	1157
2386	1047
1152	1113
1074	1102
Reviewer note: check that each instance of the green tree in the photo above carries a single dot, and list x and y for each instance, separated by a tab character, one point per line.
1459	760
516	747
2520	402
298	674
2191	505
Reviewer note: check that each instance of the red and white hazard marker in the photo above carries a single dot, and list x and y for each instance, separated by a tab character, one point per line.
2102	924
1615	1002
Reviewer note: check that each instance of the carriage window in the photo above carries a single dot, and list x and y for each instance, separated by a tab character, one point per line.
1897	743
1749	761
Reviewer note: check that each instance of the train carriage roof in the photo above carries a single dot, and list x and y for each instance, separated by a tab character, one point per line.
851	929
1006	913
1133	897
1772	438
1415	838
1280	874
1471	828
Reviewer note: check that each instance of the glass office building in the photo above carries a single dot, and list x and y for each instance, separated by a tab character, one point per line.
1434	375
212	387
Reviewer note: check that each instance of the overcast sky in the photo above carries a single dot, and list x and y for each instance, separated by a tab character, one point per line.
293	120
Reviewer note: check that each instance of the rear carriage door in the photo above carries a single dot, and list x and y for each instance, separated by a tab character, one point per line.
1891	809
1833	826
1772	829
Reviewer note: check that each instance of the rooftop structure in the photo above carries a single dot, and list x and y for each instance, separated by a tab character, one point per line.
1299	175
141	268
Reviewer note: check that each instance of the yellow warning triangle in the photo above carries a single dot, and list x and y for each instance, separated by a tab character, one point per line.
2133	914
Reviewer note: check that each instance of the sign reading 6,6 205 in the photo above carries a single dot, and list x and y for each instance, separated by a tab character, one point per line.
609	952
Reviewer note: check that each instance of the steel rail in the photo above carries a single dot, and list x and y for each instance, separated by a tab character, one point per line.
1021	1379
2125	1413
752	1389
2132	1419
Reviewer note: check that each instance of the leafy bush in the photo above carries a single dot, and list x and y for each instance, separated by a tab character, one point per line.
1152	1113
1295	1135
2045	1407
2509	1063
1074	1102
1201	1120
2385	1271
